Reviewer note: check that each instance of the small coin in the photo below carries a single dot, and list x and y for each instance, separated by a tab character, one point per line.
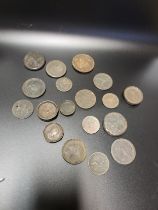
74	151
22	109
64	84
33	88
85	98
90	124
110	100
133	95
67	108
83	63
115	123
56	68
98	163
103	81
123	151
34	61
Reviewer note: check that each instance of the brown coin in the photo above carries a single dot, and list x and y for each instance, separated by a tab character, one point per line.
110	100
133	95
90	124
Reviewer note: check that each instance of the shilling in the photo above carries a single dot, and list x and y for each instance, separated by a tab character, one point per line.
90	124
34	61
67	108
102	81
63	84
56	68
110	100
133	95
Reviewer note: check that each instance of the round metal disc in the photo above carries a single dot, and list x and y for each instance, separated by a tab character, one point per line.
90	124
56	68
102	81
63	84
110	100
34	61
67	108
133	95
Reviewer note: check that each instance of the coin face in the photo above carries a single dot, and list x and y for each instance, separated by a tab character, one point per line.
98	163
115	123
74	151
22	109
110	100
123	151
133	95
67	108
53	132
90	124
34	61
63	84
83	63
85	98
102	81
33	88
56	68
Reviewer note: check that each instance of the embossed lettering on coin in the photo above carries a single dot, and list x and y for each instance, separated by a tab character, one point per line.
64	84
110	100
34	61
133	95
67	107
90	124
102	81
56	68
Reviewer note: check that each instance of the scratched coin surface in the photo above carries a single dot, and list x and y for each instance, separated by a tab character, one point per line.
103	81
110	100
74	151
123	151
34	61
133	95
67	108
90	124
56	68
64	84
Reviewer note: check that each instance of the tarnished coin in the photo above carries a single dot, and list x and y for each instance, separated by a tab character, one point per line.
34	61
64	84
56	68
85	98
74	151
33	88
115	123
67	107
22	109
133	95
90	124
83	63
123	151
98	163
102	81
110	100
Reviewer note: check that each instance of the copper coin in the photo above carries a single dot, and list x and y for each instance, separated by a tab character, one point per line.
90	124
56	68
110	100
34	61
67	108
103	81
133	95
63	84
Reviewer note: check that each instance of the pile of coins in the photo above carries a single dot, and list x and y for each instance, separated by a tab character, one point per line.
74	151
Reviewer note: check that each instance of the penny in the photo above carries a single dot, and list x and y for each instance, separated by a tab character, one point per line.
110	100
33	88
133	95
64	84
56	68
74	151
85	98
103	81
115	123
98	163
22	109
90	124
67	108
83	63
34	61
123	151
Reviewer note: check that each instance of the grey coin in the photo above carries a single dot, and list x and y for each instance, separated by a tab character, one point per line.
85	98
33	88
53	132
67	108
115	123
123	151
74	151
90	124
98	163
64	84
22	109
34	61
133	95
56	68
110	100
103	81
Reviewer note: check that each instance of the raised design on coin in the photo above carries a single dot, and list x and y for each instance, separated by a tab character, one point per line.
63	84
133	95
110	100
103	81
90	124
68	107
2	179
34	61
56	68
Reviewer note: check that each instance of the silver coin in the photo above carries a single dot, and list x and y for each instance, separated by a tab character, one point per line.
90	124
34	61
33	88
56	68
98	163
22	109
67	108
63	84
123	151
110	100
133	95
115	123
103	81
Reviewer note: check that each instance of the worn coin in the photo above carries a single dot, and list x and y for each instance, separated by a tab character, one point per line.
56	68
64	84
90	124
123	151
85	98
115	123
133	95
22	109
33	88
83	63
103	81
110	100
98	163
34	61
74	151
67	108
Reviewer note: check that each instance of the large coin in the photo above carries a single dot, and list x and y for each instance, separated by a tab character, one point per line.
83	63
90	124
67	107
110	100
33	88
102	81
98	163
34	61
133	95
56	68
115	123
64	84
85	98
74	151
123	151
22	109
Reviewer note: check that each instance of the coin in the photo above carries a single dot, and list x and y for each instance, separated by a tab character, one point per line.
98	163
85	98
34	61
53	132
56	68
90	124
123	151
110	100
67	107
83	63
64	84
74	151
22	109
115	123
133	95
33	88
103	81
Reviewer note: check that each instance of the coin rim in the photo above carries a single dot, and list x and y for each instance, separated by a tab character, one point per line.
35	69
63	103
63	78
52	76
118	101
95	119
126	98
106	75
